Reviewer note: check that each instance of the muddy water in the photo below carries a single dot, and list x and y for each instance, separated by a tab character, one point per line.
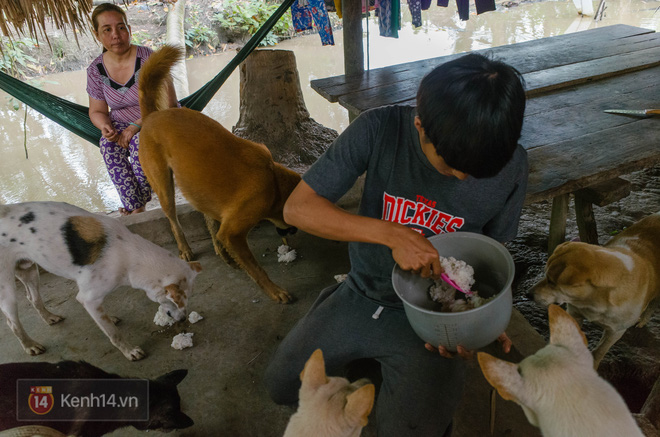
63	167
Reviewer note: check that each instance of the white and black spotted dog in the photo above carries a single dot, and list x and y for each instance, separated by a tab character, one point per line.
97	252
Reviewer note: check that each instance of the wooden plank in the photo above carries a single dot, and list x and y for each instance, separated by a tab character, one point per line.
527	56
600	36
567	166
563	116
567	75
617	89
606	192
368	92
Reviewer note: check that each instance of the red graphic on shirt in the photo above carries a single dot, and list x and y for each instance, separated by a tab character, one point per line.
419	214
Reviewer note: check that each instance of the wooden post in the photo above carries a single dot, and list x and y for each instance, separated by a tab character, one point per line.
584	216
353	49
558	217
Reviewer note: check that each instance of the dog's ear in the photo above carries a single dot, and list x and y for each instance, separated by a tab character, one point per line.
313	375
359	405
174	377
502	375
195	265
565	330
175	294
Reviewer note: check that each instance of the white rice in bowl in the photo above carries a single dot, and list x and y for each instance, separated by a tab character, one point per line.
463	275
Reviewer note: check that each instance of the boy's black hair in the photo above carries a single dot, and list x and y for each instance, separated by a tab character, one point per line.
472	111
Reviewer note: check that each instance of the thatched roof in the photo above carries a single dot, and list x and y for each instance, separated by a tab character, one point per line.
29	17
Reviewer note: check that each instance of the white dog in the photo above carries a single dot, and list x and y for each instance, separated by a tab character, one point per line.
97	252
558	388
330	406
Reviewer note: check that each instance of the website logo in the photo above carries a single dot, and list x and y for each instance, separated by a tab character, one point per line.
41	399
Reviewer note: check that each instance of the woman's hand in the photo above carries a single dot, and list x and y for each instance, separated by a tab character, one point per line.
466	354
109	132
124	139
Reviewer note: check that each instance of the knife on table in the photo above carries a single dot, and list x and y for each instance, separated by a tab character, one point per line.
637	112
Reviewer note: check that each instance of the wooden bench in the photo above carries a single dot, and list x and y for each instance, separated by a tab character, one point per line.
600	194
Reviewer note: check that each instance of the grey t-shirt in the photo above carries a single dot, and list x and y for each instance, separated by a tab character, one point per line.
402	186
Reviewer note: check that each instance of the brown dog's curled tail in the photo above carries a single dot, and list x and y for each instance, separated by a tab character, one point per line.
154	75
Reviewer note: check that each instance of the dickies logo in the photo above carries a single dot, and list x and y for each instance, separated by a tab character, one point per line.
41	399
420	215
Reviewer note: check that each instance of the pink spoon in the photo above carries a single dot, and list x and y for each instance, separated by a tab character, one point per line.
449	281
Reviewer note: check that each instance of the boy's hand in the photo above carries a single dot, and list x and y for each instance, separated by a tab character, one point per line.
412	251
468	355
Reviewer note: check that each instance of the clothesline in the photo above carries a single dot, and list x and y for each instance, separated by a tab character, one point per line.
307	14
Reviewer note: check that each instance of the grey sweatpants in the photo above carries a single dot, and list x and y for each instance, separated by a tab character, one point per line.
420	389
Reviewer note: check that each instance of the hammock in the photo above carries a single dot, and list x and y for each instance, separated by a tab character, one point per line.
75	117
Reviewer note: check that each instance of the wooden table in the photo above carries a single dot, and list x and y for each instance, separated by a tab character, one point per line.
570	79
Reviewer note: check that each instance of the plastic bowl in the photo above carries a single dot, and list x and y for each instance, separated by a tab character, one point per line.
473	329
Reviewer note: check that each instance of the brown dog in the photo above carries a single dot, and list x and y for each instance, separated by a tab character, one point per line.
229	179
614	286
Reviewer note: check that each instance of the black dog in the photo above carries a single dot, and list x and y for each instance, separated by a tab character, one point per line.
164	402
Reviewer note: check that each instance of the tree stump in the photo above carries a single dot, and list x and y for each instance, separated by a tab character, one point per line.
273	111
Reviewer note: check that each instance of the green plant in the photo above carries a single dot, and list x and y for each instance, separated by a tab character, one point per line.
14	59
58	48
140	37
198	33
248	15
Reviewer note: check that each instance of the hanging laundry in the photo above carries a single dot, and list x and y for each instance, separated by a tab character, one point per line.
426	4
484	6
416	12
338	8
315	10
389	18
463	7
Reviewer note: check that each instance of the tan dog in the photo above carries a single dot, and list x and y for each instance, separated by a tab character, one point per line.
231	180
330	406
614	286
558	388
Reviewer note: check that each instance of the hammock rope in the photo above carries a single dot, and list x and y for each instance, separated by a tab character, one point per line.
75	117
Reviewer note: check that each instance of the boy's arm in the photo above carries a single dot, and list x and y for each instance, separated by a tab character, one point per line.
316	215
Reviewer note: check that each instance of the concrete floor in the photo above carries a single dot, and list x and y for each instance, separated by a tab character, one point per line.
223	391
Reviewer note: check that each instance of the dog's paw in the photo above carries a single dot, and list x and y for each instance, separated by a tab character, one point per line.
281	296
186	255
51	319
135	354
34	348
